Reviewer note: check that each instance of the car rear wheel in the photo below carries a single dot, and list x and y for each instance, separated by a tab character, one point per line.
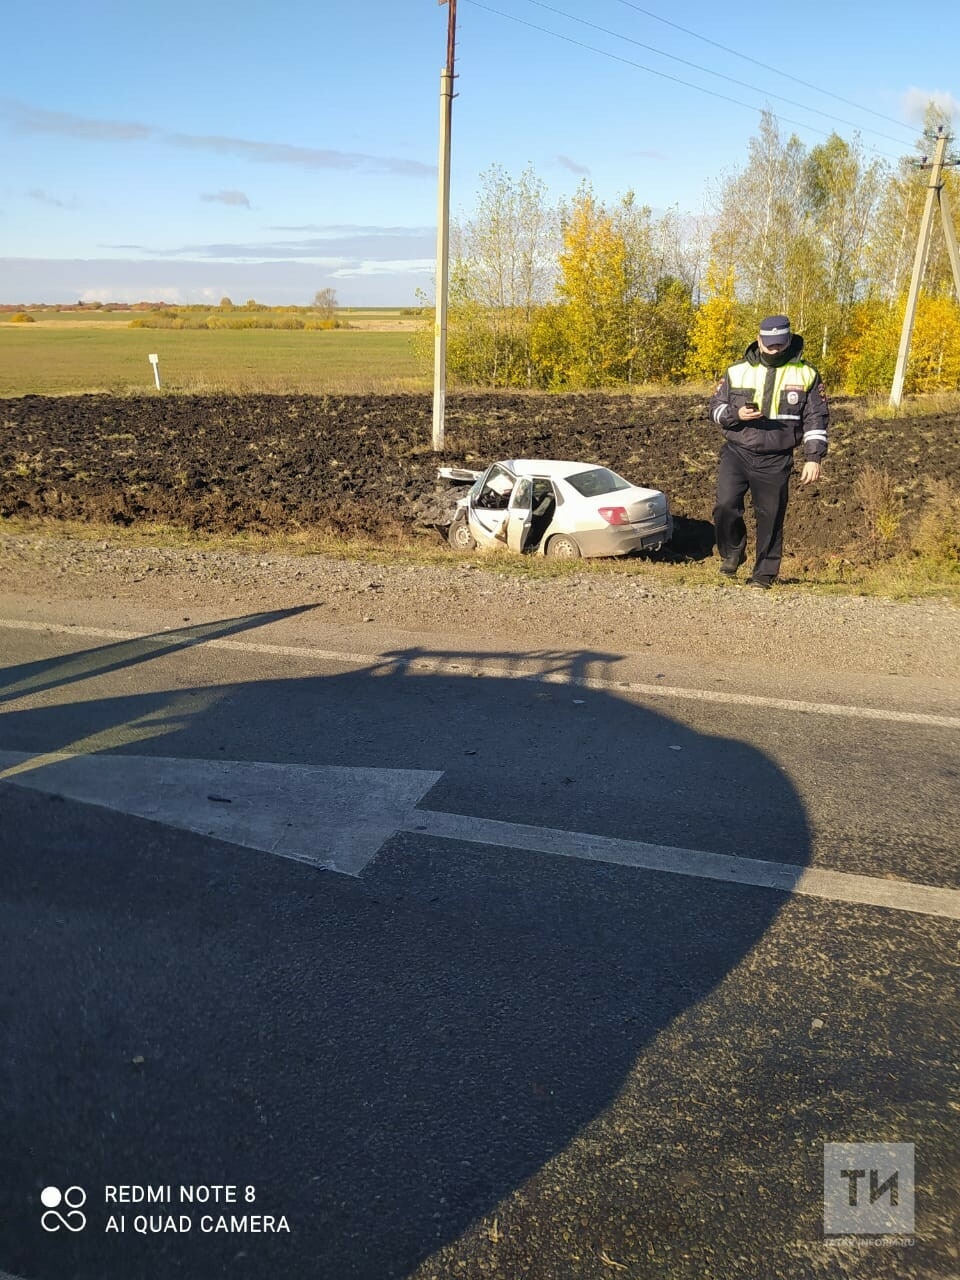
459	535
562	547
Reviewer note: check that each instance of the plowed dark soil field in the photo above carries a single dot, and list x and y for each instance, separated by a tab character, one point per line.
364	465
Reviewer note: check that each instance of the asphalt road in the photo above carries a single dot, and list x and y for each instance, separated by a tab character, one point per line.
467	964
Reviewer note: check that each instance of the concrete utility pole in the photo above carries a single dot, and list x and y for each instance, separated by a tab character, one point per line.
936	195
443	231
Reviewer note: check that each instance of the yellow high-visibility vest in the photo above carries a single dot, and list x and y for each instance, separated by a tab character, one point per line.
786	386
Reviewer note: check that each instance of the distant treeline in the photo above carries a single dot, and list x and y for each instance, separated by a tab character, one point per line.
322	314
252	315
236	318
56	307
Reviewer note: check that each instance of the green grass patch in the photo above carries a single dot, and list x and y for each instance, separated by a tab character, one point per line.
51	360
88	318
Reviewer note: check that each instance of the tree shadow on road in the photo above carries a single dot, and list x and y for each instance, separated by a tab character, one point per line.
52	673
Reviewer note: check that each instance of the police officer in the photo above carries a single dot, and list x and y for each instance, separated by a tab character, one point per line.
766	405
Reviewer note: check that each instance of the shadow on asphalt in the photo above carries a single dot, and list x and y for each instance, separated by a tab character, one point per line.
53	673
385	1058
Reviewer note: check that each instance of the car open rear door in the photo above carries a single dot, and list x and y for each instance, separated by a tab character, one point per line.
520	514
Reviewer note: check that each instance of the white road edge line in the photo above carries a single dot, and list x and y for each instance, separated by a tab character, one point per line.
815	882
473	664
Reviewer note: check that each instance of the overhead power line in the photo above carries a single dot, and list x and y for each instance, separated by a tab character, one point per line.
663	75
540	4
776	70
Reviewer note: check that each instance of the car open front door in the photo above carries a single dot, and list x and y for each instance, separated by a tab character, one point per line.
520	514
488	507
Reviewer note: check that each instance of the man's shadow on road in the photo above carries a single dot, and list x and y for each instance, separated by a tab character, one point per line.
384	1059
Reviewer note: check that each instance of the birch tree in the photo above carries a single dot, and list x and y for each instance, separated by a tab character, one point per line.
761	222
503	267
841	194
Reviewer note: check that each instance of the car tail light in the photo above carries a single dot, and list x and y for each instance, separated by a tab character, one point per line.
615	515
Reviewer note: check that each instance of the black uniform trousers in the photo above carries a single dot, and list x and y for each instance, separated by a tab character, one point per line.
767	476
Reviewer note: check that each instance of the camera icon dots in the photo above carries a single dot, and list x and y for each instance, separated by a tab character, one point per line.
71	1198
70	1217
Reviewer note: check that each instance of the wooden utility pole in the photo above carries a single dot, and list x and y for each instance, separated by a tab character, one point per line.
936	196
443	231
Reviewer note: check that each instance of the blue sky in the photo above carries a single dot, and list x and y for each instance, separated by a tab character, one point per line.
189	150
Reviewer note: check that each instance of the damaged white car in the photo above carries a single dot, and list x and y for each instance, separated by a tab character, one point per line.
560	509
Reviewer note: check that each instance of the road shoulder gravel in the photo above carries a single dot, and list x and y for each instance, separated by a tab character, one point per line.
784	643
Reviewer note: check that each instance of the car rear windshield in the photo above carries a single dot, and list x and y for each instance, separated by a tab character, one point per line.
597	481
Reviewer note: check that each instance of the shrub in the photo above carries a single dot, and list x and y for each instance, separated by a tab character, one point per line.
875	492
937	535
21	317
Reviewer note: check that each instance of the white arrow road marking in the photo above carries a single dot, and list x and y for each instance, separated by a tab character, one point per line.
333	817
339	818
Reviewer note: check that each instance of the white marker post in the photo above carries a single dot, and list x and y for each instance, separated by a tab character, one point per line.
155	361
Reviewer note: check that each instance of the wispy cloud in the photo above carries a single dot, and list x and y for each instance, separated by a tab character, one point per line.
237	198
354	229
29	119
566	163
36	120
299	157
44	197
916	101
645	155
406	267
252	253
374	244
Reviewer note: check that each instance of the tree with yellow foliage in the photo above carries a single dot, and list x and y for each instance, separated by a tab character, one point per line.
870	347
935	348
873	339
594	288
713	335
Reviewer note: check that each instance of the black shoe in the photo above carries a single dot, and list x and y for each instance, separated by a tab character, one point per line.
763	583
730	564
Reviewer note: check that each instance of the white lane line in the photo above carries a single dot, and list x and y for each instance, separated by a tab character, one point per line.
757	700
815	882
474	664
339	818
242	646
